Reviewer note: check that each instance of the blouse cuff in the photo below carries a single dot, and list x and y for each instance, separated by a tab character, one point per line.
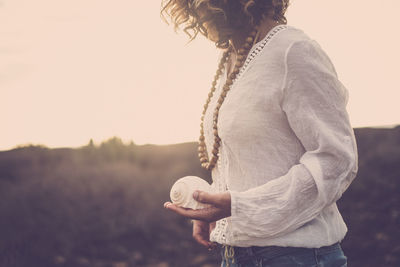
236	216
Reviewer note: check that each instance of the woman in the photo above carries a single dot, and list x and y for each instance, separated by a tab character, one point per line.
275	135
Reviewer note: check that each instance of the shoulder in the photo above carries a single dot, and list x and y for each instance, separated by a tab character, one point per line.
291	45
281	41
290	35
303	53
308	69
295	54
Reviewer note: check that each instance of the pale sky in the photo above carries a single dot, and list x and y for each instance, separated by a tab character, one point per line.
71	70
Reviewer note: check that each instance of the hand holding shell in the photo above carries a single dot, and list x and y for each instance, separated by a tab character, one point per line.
182	192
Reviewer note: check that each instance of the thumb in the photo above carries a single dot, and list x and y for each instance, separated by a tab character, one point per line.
205	197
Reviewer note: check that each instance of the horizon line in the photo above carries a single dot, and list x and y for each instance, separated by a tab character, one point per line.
387	126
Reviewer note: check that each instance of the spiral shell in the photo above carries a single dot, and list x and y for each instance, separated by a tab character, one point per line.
182	192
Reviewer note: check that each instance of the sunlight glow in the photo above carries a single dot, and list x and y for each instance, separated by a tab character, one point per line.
80	69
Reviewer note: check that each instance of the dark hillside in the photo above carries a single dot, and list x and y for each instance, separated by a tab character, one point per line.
371	205
102	205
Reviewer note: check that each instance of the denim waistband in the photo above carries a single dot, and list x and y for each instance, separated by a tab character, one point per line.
243	253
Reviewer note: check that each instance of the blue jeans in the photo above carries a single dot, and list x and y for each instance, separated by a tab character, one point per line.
273	256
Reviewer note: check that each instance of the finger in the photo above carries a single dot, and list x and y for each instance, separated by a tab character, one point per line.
166	204
177	209
213	245
211	226
202	241
209	214
207	198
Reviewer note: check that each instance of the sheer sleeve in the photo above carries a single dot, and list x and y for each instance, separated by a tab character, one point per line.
314	102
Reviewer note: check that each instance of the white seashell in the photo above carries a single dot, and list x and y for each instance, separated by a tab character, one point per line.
182	192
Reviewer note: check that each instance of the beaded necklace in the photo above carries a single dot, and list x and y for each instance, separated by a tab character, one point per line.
240	59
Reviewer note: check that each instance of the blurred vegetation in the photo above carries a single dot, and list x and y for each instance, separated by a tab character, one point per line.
101	205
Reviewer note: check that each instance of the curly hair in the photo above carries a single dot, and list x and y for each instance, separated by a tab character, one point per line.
226	16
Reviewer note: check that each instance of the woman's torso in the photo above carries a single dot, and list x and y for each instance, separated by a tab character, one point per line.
258	144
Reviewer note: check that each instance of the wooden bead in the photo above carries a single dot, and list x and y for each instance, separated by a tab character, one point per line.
201	138
241	51
249	39
239	63
240	58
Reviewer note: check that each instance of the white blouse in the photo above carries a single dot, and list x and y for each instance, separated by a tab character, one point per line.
288	151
